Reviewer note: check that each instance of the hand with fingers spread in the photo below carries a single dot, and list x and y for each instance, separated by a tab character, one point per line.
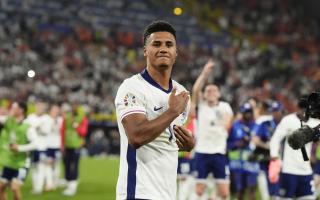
178	103
185	140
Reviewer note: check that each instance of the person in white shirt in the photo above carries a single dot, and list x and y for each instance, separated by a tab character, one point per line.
40	122
151	109
214	119
53	153
295	179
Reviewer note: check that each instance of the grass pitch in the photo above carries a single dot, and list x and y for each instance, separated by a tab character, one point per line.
98	178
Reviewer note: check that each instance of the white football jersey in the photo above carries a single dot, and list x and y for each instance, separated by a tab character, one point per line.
42	128
211	135
54	137
149	172
292	161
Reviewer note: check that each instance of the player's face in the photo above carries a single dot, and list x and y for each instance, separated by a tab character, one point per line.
54	111
211	93
247	116
40	108
15	110
160	50
277	115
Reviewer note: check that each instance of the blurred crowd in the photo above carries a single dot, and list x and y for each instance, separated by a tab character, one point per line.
267	49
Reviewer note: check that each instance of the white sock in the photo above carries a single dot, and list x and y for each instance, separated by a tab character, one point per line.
71	188
49	176
56	172
263	186
38	185
185	188
195	196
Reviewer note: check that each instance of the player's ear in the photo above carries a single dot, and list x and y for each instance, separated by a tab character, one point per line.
144	51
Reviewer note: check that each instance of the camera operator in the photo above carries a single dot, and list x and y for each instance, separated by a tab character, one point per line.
294	174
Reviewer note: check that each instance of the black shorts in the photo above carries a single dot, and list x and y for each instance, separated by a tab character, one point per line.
8	174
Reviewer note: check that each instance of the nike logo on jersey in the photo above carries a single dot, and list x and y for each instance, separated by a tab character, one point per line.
156	109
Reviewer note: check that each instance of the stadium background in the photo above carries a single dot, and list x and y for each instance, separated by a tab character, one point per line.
81	50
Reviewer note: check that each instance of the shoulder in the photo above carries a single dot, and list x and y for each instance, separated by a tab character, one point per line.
46	117
224	104
236	123
263	119
31	116
134	82
132	85
290	117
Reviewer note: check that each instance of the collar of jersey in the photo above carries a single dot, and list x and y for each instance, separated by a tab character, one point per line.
149	79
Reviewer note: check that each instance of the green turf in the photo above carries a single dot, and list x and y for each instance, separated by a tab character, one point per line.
98	177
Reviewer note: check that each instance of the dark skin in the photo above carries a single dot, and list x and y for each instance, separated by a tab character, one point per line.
160	51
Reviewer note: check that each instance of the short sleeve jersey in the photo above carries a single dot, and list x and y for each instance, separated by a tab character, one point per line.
211	134
150	171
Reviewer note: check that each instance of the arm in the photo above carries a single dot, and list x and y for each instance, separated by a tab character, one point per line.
257	135
82	129
203	77
32	145
63	132
275	163
259	143
227	119
141	131
231	141
234	143
279	134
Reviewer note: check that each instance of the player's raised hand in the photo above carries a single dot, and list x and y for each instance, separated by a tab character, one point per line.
177	103
208	67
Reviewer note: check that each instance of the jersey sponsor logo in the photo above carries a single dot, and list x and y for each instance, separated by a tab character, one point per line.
157	108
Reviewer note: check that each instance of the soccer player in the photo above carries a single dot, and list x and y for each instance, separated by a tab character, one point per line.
214	119
296	179
16	139
53	148
243	171
39	121
151	109
74	130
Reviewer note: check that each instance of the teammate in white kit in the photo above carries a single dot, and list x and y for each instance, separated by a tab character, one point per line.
53	148
151	109
39	121
296	179
214	118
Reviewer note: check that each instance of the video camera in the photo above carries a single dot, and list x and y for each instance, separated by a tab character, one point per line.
311	104
305	134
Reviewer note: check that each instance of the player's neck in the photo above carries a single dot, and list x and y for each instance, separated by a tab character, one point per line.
162	77
212	103
19	118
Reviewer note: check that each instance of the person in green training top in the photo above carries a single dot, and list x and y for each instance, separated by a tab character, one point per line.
17	138
74	130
